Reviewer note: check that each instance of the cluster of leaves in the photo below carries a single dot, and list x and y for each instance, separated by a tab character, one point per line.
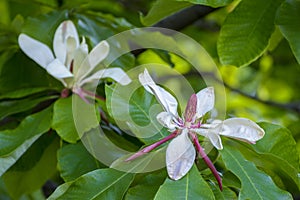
38	138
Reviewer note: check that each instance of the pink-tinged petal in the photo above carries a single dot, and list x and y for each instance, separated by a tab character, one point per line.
36	50
242	129
166	119
180	156
116	74
191	109
205	101
165	98
65	39
212	135
58	70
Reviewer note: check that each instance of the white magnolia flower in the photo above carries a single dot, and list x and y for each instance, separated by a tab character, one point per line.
71	63
180	154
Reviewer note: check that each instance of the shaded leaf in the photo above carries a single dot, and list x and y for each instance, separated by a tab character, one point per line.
9	107
288	21
255	184
246	32
32	125
98	184
225	194
74	160
34	168
191	186
147	186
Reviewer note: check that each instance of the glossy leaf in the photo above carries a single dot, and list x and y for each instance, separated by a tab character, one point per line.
32	125
34	168
63	121
288	21
9	160
246	32
74	160
279	154
211	3
23	92
98	184
192	186
146	187
162	9
255	184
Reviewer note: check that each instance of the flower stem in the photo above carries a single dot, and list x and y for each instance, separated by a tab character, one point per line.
207	161
152	146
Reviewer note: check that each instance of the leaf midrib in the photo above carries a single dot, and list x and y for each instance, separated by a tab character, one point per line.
250	180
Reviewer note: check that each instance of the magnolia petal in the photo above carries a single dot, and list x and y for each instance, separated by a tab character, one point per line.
36	50
115	73
98	54
64	34
242	129
166	119
212	135
165	98
79	56
180	156
205	101
58	70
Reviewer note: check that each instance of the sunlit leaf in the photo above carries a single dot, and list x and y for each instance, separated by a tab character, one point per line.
98	184
162	9
254	183
288	21
192	186
63	121
246	31
211	3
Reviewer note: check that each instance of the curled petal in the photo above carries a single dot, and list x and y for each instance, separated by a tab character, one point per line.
212	135
205	101
166	119
242	129
58	70
65	40
165	98
36	50
115	73
180	156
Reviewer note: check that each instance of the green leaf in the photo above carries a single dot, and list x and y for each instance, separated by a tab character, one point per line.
137	110
255	184
63	121
211	3
162	9
34	168
9	160
98	184
146	187
191	186
32	125
74	161
225	194
288	21
246	32
276	151
9	107
23	92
